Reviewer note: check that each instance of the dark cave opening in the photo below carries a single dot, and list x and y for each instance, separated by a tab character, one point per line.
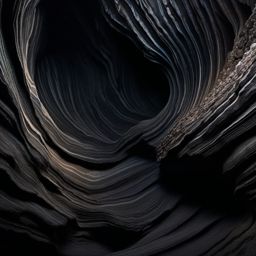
75	43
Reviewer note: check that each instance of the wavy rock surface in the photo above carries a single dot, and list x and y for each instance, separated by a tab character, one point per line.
127	127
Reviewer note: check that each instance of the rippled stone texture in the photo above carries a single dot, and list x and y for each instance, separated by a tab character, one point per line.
127	127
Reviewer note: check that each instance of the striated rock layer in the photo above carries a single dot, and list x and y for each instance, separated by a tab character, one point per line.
127	127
